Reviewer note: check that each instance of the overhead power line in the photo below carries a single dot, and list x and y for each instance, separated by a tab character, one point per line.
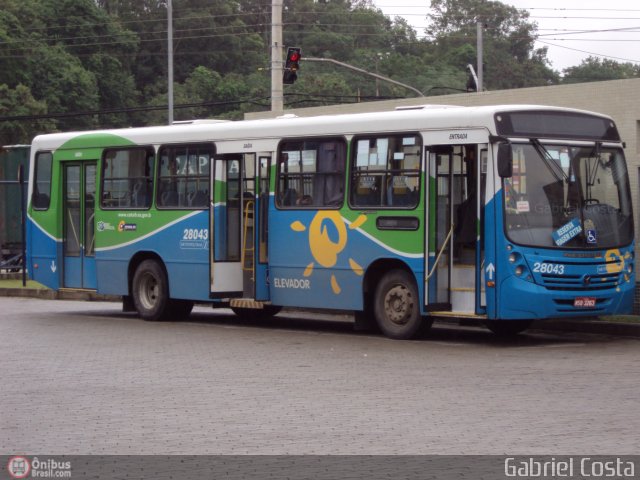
589	53
311	97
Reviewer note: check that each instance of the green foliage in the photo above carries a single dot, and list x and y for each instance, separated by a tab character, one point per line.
510	60
594	69
19	101
103	63
65	85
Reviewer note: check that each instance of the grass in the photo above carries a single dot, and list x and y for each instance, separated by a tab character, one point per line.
18	284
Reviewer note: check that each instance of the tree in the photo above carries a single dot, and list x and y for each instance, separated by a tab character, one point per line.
594	69
62	82
20	102
510	59
110	56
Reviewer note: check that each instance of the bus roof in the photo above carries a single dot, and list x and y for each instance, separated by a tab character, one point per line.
418	118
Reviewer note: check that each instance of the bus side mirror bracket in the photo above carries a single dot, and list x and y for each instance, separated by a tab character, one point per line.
505	160
505	156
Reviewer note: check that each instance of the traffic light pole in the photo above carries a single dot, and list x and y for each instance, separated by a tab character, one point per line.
277	90
356	69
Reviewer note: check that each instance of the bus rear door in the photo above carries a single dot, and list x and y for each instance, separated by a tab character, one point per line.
239	226
78	212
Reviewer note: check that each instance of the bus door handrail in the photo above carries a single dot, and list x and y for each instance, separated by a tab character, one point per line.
444	244
248	210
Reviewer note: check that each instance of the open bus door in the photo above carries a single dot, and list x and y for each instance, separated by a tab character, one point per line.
454	285
239	227
261	257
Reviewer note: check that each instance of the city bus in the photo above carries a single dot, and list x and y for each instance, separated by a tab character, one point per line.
500	214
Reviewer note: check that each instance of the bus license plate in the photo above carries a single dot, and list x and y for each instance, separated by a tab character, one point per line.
584	302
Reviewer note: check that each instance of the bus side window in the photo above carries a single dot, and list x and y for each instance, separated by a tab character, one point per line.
127	175
42	181
385	171
311	173
183	176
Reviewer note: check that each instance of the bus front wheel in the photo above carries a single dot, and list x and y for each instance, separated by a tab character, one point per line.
150	291
396	306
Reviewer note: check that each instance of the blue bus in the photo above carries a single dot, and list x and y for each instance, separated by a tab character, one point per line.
500	214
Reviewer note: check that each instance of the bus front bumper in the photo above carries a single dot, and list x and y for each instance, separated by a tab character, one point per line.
520	299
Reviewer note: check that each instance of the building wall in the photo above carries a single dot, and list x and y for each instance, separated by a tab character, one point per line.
620	99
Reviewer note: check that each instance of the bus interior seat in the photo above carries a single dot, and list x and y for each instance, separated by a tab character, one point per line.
197	199
138	195
290	196
398	193
366	195
169	199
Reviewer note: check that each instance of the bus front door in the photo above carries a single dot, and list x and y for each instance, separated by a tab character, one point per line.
440	234
78	249
454	244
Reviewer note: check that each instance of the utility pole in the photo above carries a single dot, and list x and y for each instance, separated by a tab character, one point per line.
277	90
170	59
480	55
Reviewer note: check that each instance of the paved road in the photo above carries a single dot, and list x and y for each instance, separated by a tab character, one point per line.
83	378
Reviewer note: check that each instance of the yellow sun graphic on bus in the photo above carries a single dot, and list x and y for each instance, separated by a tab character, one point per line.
325	251
616	263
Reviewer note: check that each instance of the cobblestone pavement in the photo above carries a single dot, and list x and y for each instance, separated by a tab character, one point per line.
83	378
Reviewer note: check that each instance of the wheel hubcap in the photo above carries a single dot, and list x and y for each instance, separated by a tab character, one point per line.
148	291
398	305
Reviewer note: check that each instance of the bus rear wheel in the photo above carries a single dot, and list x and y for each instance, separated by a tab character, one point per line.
396	306
508	328
150	291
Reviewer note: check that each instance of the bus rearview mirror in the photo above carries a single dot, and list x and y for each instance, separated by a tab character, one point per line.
505	160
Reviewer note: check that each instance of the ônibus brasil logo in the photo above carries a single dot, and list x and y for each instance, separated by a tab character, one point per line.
19	467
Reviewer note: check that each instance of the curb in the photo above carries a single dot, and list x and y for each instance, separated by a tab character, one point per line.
46	294
579	326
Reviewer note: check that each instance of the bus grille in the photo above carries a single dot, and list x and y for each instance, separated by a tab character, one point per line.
581	282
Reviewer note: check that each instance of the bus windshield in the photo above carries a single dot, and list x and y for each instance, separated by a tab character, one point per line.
568	196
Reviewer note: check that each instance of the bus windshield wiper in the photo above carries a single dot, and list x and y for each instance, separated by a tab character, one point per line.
592	172
549	161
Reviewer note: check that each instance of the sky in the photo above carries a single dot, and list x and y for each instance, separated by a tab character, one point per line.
558	21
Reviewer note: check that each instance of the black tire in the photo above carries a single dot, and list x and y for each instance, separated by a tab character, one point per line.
365	321
180	309
508	328
396	306
150	291
265	313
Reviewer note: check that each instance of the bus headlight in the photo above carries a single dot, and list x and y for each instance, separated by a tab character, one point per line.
519	270
513	258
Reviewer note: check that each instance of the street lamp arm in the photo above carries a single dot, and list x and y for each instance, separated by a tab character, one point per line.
351	67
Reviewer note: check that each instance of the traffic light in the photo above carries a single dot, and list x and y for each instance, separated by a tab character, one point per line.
292	65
